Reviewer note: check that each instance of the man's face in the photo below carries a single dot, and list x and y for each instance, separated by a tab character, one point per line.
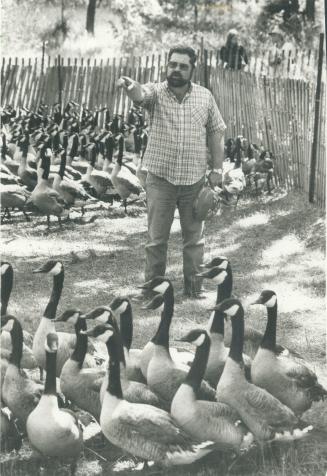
179	70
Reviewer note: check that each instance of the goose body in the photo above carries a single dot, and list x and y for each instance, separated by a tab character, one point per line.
54	432
289	380
67	341
27	360
265	416
135	391
124	181
81	385
163	375
143	430
20	393
206	420
44	197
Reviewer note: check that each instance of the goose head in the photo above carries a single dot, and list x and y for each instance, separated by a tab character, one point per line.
71	315
156	303
7	322
267	298
159	284
52	267
119	305
51	342
218	261
196	337
216	274
103	315
230	307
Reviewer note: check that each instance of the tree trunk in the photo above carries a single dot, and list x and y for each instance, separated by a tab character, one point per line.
90	16
310	9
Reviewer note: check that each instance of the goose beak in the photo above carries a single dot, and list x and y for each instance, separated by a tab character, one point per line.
256	301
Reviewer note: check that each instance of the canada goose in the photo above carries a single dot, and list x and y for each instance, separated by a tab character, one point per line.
163	375
27	174
20	393
289	380
216	326
252	337
7	277
122	308
265	416
71	191
124	181
100	180
80	385
54	432
47	324
140	429
134	391
14	196
206	420
47	200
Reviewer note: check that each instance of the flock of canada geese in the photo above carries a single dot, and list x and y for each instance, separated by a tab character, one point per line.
159	403
54	163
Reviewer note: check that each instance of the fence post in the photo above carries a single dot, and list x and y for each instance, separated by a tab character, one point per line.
59	82
205	70
313	161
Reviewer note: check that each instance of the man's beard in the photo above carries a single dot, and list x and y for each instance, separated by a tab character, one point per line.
176	81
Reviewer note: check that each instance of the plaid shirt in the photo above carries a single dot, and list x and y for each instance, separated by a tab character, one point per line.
176	149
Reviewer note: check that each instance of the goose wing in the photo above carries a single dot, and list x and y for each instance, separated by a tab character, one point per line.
268	408
151	424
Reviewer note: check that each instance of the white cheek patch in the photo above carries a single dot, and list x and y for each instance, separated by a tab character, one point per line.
161	307
210	321
220	278
47	348
272	301
162	288
4	268
223	264
103	318
122	308
105	336
9	326
199	341
231	311
56	269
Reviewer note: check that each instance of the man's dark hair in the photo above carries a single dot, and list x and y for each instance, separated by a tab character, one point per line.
184	50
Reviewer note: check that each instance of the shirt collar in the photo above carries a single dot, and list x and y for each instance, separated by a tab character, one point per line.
172	95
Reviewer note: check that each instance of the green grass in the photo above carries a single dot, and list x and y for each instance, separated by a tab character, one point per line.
273	242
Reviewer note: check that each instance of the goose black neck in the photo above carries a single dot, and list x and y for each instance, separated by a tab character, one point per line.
80	350
62	164
218	323
224	290
46	167
126	327
162	335
17	344
236	347
269	338
51	309
116	357
199	364
6	288
50	380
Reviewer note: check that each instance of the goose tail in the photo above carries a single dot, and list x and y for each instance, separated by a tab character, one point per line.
194	452
291	435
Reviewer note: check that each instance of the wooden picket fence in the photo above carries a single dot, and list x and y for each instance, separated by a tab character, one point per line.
269	110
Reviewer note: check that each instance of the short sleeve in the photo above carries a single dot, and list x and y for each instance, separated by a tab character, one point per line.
215	124
150	94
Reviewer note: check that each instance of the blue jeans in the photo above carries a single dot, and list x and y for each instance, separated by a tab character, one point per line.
162	199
